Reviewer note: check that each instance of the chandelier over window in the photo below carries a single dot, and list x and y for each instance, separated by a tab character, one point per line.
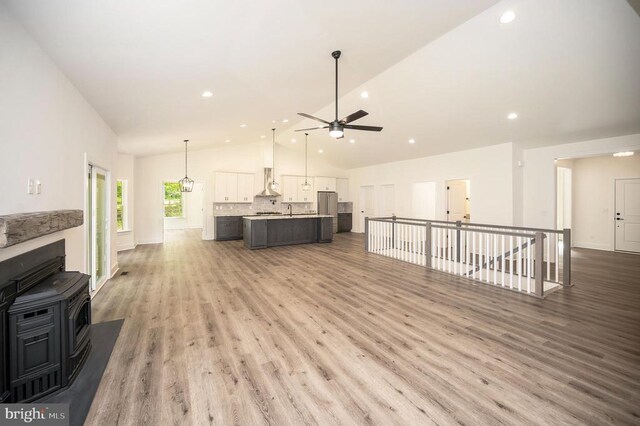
186	184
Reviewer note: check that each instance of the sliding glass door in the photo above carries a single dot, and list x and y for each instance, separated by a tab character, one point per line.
98	226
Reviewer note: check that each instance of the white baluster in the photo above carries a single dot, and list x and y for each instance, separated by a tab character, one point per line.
557	250
519	266
510	261
548	254
529	265
473	254
503	255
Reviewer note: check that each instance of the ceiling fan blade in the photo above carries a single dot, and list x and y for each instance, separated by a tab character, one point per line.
353	117
313	118
312	128
368	128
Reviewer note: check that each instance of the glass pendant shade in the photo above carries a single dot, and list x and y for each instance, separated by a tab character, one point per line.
275	185
306	186
186	184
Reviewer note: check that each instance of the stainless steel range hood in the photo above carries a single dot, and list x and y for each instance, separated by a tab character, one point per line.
268	178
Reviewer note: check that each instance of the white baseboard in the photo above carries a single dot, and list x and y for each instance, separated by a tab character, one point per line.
142	242
114	270
593	246
126	247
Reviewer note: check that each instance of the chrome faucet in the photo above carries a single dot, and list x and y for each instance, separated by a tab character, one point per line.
290	208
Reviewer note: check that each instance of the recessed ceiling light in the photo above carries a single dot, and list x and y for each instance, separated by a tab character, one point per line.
512	116
364	95
262	136
352	141
285	121
207	94
227	141
412	141
273	121
623	154
243	125
293	141
507	17
320	151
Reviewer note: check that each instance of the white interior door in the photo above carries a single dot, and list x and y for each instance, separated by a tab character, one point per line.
367	204
423	205
458	204
388	200
628	215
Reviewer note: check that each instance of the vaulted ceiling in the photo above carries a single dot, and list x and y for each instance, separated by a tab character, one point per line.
444	73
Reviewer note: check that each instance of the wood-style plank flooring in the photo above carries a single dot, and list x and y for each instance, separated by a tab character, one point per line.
328	334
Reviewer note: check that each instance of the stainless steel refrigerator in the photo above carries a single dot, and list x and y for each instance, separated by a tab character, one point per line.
328	204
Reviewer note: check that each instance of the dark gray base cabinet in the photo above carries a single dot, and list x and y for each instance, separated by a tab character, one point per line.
228	228
345	222
282	232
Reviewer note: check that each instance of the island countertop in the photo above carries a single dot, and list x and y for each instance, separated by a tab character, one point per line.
286	216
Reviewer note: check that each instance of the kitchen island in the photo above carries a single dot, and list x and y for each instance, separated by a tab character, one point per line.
282	230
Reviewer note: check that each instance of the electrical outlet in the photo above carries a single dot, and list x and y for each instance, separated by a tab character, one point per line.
30	186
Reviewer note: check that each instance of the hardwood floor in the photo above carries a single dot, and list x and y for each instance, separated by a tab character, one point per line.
329	334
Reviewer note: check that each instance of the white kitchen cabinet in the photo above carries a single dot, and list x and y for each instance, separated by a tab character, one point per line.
342	187
305	196
245	188
226	187
289	189
233	187
324	183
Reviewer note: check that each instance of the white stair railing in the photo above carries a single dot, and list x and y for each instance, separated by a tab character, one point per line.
527	260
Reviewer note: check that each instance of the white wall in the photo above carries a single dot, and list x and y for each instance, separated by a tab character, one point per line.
46	129
490	170
539	179
125	171
151	171
594	198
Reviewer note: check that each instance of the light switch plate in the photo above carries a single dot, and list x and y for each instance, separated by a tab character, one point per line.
38	187
30	186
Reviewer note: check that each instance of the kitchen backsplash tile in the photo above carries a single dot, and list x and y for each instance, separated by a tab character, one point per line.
260	204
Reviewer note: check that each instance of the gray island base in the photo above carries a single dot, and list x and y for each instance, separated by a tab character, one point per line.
283	230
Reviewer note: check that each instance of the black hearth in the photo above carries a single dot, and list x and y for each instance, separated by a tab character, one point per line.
45	316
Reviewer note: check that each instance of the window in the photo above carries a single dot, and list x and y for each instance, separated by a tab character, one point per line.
121	205
172	200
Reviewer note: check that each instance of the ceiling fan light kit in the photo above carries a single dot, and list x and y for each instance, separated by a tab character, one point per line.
336	127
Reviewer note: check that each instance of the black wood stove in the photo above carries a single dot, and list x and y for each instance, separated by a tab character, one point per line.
45	316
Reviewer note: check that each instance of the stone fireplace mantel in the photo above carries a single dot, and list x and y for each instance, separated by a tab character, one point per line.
20	227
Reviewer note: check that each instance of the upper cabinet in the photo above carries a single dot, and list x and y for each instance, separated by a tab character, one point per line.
246	189
233	187
324	183
342	188
292	191
289	189
305	196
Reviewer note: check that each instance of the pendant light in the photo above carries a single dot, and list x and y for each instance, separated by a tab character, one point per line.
274	185
186	184
305	186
